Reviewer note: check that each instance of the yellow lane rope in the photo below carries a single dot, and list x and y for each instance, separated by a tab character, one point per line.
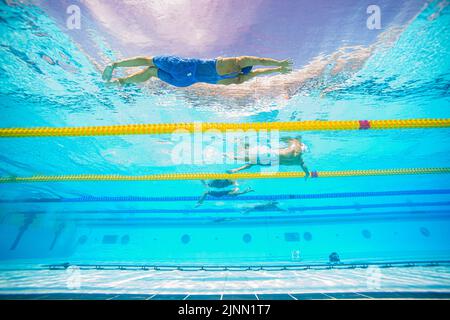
240	175
167	128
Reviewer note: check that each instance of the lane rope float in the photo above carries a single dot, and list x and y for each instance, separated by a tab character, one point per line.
250	267
268	197
212	176
168	128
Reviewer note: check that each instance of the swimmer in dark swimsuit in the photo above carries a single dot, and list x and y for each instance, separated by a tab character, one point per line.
183	72
270	206
220	188
291	155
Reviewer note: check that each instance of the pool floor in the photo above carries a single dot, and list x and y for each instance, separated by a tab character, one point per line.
288	296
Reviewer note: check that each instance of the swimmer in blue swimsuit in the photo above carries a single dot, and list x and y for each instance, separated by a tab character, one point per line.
183	72
221	188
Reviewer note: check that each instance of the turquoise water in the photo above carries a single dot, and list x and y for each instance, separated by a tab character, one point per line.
48	79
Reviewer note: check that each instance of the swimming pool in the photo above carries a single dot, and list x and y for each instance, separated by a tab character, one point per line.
147	237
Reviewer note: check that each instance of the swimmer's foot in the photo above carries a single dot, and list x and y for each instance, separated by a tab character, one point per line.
249	189
288	64
285	70
232	171
107	73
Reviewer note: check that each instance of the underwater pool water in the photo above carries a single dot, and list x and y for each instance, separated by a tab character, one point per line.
51	77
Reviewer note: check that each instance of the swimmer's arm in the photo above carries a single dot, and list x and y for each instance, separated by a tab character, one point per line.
305	168
258	72
261	72
245	77
137	77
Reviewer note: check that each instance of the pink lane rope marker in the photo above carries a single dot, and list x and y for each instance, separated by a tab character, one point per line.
364	124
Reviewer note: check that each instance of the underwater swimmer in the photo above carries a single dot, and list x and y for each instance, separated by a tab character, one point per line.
183	72
220	188
290	155
270	206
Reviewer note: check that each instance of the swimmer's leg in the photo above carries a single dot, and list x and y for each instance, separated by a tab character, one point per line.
304	168
236	191
234	157
202	198
245	166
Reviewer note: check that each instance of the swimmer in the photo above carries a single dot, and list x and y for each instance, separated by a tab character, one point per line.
289	156
270	206
221	188
183	72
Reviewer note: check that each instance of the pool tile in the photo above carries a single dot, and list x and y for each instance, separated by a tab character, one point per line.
169	297
132	297
239	297
346	295
310	296
109	239
204	297
275	297
408	295
292	236
21	296
79	296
